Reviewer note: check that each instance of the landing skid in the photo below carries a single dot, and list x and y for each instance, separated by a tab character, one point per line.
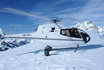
49	48
76	48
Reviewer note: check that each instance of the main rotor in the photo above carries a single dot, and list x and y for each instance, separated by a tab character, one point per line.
55	20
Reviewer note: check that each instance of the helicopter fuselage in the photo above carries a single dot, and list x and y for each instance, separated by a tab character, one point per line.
52	35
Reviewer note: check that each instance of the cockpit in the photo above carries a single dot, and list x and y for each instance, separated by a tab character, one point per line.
76	33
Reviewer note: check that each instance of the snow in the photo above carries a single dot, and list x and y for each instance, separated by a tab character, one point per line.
86	58
87	25
7	44
31	56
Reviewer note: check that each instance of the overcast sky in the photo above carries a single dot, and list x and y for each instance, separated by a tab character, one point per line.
23	16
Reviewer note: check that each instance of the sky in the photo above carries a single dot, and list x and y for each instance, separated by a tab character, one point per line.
24	16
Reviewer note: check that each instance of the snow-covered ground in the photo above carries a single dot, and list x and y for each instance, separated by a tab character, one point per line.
31	56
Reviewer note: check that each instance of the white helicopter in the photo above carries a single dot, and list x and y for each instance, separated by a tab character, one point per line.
54	35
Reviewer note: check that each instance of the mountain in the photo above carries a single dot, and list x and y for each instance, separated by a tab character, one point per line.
12	43
87	25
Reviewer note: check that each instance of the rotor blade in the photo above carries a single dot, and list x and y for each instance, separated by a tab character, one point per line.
75	20
22	13
82	21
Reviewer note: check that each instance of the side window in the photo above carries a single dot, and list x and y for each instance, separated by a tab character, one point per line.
63	32
71	33
52	29
67	32
74	33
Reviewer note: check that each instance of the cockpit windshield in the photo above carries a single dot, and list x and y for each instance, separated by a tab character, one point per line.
81	31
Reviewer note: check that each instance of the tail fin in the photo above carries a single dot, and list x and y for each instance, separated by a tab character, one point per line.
1	34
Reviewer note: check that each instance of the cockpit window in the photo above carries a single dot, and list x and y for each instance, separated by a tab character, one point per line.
72	32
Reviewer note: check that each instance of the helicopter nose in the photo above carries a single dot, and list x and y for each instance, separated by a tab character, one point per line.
86	37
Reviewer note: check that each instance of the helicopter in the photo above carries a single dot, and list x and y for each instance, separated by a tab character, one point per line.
54	35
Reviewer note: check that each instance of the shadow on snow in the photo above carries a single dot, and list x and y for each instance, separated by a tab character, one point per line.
88	47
